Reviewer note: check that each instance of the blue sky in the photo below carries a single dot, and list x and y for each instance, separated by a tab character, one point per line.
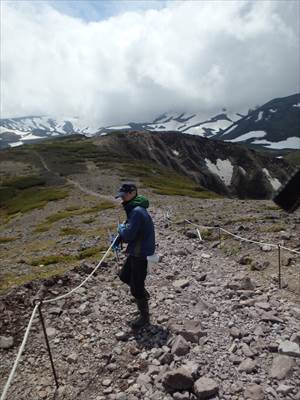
96	10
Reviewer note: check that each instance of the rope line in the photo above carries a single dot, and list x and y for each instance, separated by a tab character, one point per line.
13	370
85	280
242	238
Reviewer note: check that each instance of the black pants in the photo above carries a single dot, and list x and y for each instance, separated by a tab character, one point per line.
134	272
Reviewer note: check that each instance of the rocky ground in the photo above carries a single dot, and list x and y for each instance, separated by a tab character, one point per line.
220	326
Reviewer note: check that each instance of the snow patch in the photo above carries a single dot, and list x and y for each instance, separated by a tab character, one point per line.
290	143
31	137
223	168
15	144
175	152
249	135
243	171
260	114
274	181
296	105
120	127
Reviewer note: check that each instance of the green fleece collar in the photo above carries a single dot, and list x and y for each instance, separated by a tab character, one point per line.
140	201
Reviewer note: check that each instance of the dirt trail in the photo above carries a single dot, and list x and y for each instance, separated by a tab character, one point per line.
74	183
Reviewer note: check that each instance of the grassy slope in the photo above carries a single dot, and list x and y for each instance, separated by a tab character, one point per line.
23	193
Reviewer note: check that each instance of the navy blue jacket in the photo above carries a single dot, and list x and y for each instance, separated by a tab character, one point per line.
138	231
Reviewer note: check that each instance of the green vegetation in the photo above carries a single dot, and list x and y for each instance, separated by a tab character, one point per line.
293	157
166	181
92	251
10	280
67	155
32	198
53	259
25	182
67	258
23	194
7	239
207	234
272	228
71	212
88	221
70	231
230	248
271	207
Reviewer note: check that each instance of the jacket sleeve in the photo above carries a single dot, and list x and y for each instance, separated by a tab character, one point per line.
129	232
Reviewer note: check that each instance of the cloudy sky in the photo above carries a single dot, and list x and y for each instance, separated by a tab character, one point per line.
120	61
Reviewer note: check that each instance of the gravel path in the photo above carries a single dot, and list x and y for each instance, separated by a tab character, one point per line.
218	331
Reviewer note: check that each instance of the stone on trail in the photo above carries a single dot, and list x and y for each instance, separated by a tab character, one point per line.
281	367
178	379
235	332
246	283
6	342
254	392
180	346
191	234
51	332
289	348
72	358
204	388
181	283
270	317
247	365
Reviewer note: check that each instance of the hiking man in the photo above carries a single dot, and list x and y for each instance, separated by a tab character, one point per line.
138	232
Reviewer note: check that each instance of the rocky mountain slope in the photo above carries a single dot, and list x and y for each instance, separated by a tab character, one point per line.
274	125
221	328
224	168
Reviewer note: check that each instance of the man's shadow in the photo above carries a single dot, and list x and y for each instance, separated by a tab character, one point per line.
151	336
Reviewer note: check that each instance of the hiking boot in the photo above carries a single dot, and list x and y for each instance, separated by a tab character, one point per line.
144	318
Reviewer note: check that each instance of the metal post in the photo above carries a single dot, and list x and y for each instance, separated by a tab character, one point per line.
48	346
279	267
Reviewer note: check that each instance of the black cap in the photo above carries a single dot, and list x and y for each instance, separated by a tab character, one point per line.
127	187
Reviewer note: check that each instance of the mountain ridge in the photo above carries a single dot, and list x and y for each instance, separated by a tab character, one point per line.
272	126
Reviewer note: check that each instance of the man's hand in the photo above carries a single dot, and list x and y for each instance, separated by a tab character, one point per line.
116	246
120	227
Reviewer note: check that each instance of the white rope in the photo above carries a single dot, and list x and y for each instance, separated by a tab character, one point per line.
12	372
201	226
85	280
242	238
292	250
248	240
199	234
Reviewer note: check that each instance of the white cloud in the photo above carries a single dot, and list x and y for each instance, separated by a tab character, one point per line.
186	56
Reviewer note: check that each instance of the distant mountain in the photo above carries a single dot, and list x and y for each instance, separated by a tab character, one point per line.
275	125
225	168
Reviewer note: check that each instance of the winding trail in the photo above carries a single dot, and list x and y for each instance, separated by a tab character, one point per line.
74	183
